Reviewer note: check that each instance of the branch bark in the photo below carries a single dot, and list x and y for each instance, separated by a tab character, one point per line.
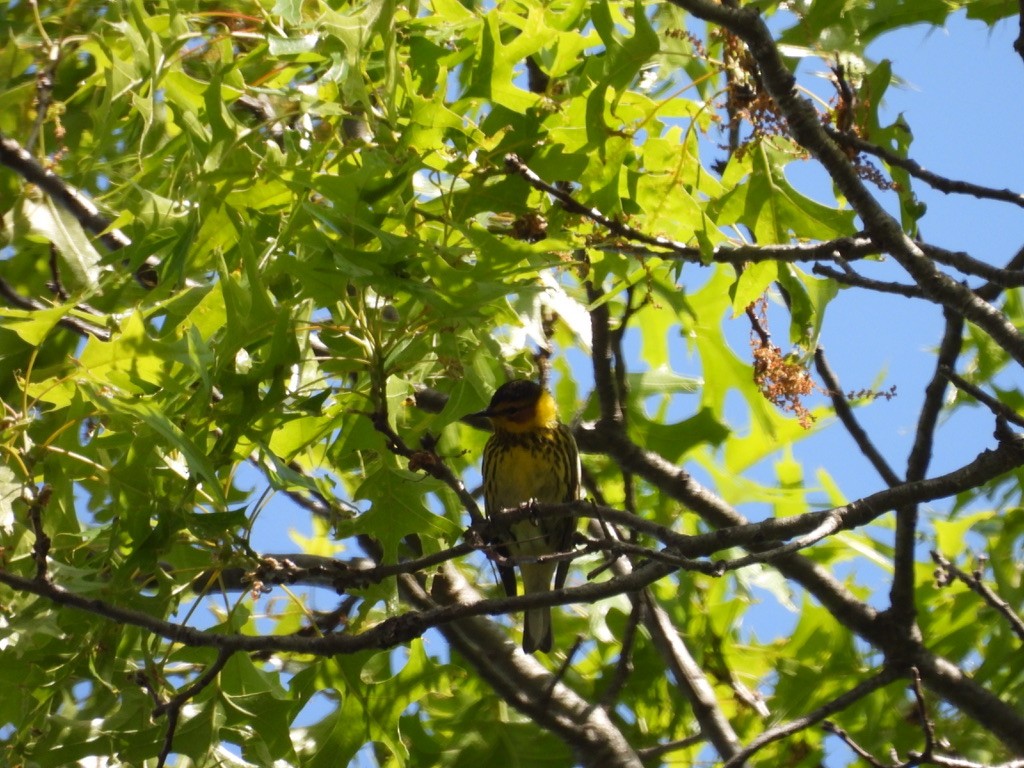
521	680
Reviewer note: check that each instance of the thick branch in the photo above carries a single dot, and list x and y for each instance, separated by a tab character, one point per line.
19	160
902	592
689	677
521	680
78	205
939	674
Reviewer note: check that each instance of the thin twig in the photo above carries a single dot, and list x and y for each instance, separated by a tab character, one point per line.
991	290
855	280
172	707
41	547
1000	410
845	414
654	754
934	395
838	704
902	591
845	247
835	730
428	461
964	262
81	327
974	582
934	180
930	742
44	92
624	665
565	666
317	571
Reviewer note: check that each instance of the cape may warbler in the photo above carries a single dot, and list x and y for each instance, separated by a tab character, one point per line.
531	457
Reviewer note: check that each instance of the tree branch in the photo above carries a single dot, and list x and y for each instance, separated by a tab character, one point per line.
902	591
806	127
851	278
845	414
81	327
964	262
19	160
845	247
940	675
974	582
520	679
1018	44
838	704
688	675
172	707
426	459
999	410
601	356
941	183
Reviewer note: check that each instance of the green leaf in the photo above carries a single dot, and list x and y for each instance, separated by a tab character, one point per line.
398	509
752	283
198	464
808	297
773	210
81	263
289	10
132	359
623	60
10	492
33	326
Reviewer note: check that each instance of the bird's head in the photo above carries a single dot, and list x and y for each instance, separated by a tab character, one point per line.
520	406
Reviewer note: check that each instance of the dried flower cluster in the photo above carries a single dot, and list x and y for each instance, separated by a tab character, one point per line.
781	380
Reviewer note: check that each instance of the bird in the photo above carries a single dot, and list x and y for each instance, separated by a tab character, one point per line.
530	457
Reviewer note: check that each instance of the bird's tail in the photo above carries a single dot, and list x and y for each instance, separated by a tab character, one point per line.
537	630
537	621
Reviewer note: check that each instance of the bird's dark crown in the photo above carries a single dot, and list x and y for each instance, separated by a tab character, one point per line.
516	391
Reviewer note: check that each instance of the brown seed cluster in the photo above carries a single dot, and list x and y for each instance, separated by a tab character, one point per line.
781	379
